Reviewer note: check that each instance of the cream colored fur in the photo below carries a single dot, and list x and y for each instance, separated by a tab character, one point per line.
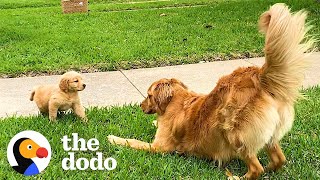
53	98
285	47
286	60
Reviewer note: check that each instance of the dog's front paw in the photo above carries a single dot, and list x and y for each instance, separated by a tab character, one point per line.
117	140
53	120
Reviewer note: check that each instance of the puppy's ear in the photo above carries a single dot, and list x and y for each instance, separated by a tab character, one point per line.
173	80
163	95
64	84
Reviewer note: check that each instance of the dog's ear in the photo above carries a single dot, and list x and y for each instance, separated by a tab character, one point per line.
64	84
163	93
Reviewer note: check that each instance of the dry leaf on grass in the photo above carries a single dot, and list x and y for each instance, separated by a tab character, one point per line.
230	175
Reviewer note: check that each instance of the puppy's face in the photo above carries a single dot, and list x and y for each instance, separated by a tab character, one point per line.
71	82
160	94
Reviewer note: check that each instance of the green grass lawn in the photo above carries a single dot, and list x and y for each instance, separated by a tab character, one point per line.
301	146
36	38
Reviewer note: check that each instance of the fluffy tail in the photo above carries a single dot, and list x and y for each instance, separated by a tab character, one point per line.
285	47
32	94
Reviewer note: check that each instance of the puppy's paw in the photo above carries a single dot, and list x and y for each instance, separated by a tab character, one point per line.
117	140
53	120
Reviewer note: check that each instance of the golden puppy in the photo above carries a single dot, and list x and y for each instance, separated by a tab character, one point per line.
248	110
53	98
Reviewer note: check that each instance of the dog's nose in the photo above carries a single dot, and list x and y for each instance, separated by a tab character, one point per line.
141	105
84	85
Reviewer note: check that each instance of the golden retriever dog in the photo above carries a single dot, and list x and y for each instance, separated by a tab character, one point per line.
248	110
53	98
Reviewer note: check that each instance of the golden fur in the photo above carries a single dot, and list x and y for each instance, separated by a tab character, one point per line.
248	110
53	98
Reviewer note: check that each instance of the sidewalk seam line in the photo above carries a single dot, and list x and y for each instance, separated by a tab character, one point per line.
131	83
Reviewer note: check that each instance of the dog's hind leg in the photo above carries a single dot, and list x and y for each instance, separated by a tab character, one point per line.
53	110
276	156
255	169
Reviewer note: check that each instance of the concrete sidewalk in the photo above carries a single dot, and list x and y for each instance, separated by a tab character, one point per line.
125	87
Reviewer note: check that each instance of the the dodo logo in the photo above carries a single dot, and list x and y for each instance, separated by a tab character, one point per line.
29	152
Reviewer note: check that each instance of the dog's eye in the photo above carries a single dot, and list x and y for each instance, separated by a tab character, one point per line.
76	81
